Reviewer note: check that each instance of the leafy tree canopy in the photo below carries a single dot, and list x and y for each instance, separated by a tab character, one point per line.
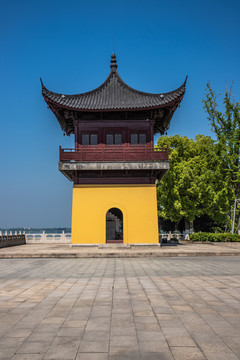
194	185
226	126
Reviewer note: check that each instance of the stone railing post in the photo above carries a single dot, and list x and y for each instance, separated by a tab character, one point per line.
44	239
63	237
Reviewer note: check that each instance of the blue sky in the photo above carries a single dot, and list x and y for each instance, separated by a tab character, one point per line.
69	44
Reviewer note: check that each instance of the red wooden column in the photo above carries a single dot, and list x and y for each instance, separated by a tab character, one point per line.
152	134
75	123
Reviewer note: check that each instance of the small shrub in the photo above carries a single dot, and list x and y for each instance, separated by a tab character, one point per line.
214	237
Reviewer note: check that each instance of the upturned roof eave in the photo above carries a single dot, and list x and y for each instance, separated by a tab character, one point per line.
99	88
70	96
162	106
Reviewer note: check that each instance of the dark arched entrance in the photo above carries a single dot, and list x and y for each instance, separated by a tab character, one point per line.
114	226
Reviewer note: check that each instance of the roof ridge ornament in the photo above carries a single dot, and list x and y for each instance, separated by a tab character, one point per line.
113	64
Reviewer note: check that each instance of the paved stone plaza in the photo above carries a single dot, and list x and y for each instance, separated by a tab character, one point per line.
99	309
119	251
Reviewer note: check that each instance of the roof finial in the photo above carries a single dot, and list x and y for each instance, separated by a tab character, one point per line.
113	64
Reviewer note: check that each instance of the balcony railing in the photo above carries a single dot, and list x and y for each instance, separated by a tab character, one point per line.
113	153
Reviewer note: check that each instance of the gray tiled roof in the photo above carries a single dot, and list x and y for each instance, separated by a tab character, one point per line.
113	94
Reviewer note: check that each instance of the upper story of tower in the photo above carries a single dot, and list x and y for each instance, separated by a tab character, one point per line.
114	124
116	105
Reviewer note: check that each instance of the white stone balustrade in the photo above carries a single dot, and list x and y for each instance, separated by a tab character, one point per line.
62	238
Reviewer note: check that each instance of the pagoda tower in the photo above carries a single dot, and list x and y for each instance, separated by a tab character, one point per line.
114	165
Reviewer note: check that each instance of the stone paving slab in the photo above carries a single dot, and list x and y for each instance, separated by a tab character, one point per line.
116	251
177	308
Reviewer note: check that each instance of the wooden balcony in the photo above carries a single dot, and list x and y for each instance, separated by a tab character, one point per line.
113	153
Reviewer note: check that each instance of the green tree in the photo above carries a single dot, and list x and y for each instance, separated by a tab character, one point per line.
226	126
193	186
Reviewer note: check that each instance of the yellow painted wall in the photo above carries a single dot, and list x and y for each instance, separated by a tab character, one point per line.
138	204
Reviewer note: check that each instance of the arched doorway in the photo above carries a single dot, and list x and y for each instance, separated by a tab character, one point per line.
114	226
